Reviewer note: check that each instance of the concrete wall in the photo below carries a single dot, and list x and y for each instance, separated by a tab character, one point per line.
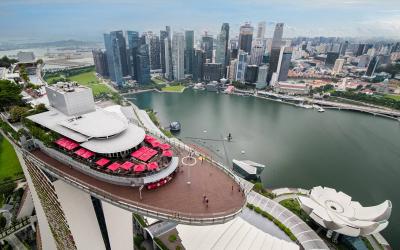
46	236
119	226
79	212
27	206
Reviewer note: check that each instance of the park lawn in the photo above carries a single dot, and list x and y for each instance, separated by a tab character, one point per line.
158	81
395	97
89	79
177	88
9	164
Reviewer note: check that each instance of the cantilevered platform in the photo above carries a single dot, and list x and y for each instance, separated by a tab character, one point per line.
176	201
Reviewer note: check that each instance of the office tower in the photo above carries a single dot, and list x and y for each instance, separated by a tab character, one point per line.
343	48
338	66
168	55
163	36
241	65
367	47
262	77
207	45
275	50
277	38
120	40
232	70
100	62
261	30
143	65
212	72
222	52
360	49
372	66
246	37
250	76
189	51
113	58
284	63
363	61
153	42
331	58
133	45
395	47
199	61
178	56
234	53
257	53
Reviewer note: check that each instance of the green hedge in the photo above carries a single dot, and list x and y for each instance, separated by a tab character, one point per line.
275	221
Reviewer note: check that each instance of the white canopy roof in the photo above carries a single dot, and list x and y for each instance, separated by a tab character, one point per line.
336	211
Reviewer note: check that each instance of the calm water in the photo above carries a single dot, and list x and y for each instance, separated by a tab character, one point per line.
353	152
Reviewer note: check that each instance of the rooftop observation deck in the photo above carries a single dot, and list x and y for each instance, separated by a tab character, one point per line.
176	201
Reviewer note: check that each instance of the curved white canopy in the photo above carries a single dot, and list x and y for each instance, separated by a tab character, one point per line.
336	211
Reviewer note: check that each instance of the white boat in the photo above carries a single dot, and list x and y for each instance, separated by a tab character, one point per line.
321	109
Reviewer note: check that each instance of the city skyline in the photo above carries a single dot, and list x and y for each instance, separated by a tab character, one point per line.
54	20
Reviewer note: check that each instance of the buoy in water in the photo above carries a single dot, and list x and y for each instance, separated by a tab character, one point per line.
242	152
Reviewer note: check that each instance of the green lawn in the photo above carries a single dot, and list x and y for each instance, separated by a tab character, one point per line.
178	88
158	81
9	164
395	97
89	79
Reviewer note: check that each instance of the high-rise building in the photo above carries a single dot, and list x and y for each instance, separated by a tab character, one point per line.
360	49
178	55
343	48
133	45
337	68
100	62
250	76
262	77
241	66
153	42
222	52
113	58
246	37
331	58
372	66
198	67
261	28
212	72
189	51
207	45
284	63
120	40
143	65
163	35
257	53
275	50
168	55
232	69
277	38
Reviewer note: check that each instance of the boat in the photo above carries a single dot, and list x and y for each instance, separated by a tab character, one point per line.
247	169
321	109
199	86
175	126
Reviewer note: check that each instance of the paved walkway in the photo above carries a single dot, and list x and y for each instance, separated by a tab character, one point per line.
306	236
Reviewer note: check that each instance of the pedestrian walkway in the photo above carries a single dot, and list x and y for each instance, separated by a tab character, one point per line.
307	238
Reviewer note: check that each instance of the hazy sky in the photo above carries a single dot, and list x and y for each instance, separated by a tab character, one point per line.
39	20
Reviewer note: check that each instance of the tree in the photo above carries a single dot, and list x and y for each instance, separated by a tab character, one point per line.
23	73
3	221
39	61
17	112
6	62
9	94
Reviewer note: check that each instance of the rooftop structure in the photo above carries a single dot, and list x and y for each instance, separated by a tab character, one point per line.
337	212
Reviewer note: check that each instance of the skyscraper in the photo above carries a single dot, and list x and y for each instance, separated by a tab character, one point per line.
133	45
261	30
241	66
100	62
178	56
222	52
212	72
262	77
246	37
331	58
284	63
372	66
189	51
168	55
113	58
250	76
153	42
338	66
120	40
275	50
143	64
257	53
207	45
199	60
163	36
232	69
343	48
